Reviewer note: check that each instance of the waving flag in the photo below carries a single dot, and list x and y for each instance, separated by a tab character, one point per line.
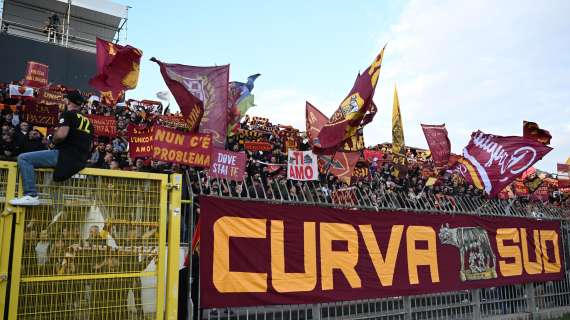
117	67
438	142
351	112
314	120
492	162
240	100
341	165
532	131
202	95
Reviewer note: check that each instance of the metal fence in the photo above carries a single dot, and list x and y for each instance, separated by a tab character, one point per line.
95	247
543	300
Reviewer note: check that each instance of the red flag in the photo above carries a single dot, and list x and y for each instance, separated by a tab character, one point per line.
355	110
117	67
36	75
315	120
532	131
438	142
202	94
341	166
349	115
492	162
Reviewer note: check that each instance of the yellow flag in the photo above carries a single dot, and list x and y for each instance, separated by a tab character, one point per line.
568	161
397	128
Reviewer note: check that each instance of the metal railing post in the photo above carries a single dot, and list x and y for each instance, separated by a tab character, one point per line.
476	300
316	309
174	219
530	299
190	230
408	308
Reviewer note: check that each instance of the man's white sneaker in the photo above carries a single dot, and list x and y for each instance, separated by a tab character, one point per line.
25	201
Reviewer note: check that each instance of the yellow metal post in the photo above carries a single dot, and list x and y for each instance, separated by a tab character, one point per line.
173	247
160	264
16	256
8	173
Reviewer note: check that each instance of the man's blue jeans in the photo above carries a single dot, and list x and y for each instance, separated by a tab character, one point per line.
30	160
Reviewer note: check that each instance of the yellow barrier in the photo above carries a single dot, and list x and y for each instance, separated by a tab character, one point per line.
95	248
8	173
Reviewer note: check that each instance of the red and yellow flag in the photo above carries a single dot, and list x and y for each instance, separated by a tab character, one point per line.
348	117
341	165
117	67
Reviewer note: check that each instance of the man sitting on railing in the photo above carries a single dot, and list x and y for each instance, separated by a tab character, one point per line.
72	139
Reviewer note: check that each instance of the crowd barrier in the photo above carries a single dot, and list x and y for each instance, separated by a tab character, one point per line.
542	300
95	247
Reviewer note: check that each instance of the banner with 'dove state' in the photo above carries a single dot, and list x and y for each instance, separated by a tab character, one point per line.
227	165
260	254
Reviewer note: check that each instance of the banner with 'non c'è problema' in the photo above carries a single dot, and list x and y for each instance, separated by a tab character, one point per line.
185	148
263	254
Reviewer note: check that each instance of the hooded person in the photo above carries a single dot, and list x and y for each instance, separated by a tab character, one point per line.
72	139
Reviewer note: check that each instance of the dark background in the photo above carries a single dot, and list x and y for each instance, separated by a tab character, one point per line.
69	67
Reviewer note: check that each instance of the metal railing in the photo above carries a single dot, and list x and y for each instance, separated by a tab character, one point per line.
95	247
525	301
369	198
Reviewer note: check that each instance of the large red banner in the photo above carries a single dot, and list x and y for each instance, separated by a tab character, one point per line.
36	75
191	149
105	126
308	254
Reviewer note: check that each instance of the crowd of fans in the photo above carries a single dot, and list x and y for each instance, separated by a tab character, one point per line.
265	170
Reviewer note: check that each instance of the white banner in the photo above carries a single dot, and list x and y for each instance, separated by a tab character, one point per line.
302	165
21	91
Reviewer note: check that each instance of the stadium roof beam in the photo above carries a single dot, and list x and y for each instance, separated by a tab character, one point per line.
82	21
